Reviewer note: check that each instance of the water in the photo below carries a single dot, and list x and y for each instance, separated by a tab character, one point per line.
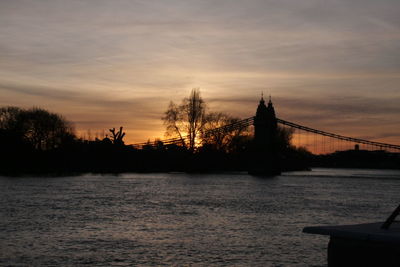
185	219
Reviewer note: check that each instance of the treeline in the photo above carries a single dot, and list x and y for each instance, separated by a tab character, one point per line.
363	159
36	141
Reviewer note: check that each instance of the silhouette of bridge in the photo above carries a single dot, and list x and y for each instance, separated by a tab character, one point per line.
321	142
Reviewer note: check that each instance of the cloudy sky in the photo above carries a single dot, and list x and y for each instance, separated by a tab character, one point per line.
333	65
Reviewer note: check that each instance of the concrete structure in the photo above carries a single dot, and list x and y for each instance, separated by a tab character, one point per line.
361	244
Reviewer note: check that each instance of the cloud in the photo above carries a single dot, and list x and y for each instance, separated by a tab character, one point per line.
103	62
347	115
89	111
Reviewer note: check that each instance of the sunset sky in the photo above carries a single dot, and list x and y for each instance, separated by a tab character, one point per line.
328	64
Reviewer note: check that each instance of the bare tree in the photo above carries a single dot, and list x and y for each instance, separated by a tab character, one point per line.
117	136
223	139
174	122
188	119
194	109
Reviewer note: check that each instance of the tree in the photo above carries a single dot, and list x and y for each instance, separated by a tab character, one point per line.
11	139
39	128
284	138
173	120
117	136
8	117
187	120
225	140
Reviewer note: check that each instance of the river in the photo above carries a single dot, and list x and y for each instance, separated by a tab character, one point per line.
178	219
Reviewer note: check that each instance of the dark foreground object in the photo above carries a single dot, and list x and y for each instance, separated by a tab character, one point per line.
361	244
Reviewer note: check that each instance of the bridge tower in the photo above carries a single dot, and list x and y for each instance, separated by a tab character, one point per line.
265	159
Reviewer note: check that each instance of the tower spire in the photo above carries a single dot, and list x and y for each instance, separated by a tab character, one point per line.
262	98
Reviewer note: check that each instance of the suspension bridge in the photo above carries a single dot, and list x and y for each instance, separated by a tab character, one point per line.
314	140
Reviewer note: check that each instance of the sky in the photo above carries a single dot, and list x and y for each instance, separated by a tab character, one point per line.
333	65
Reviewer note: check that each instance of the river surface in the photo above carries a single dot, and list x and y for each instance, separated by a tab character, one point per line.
178	219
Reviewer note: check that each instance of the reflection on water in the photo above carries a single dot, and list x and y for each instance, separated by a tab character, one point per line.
185	219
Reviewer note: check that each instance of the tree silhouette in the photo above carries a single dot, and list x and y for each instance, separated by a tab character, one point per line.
222	140
188	118
41	129
174	122
8	117
117	137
